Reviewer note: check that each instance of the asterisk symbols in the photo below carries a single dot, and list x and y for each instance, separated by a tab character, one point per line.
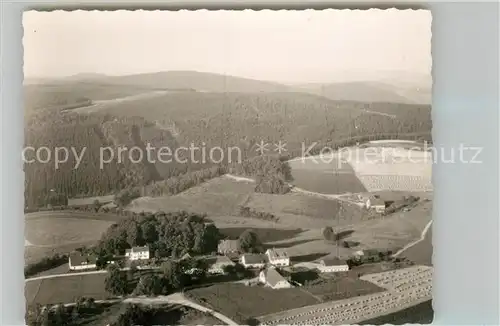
280	147
262	147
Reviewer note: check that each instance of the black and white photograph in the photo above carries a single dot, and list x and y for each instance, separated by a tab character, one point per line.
230	167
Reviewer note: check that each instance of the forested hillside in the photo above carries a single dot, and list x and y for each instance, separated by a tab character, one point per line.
183	119
245	119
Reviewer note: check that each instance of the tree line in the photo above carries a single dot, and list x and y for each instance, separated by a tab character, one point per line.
44	264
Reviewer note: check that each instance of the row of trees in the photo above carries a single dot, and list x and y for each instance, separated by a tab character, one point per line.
44	264
180	183
246	211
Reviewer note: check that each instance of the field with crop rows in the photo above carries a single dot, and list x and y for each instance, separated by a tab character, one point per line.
412	286
342	288
381	168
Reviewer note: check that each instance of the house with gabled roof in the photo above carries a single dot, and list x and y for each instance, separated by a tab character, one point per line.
273	279
333	265
253	260
80	261
374	202
278	257
226	247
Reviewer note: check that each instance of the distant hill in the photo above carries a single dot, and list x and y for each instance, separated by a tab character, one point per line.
417	87
393	88
85	77
368	92
200	81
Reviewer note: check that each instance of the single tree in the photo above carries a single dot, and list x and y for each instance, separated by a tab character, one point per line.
249	242
229	269
173	274
328	233
116	281
149	285
131	271
96	205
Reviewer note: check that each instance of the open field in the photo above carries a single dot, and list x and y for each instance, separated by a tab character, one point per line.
241	302
325	175
294	204
396	230
65	289
73	214
414	287
60	231
391	168
50	232
421	253
216	197
341	288
221	198
35	253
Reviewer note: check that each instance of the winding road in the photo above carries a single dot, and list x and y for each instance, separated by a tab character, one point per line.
179	299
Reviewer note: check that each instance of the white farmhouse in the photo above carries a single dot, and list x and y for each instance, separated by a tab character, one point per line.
79	261
278	257
253	260
376	203
333	265
137	253
270	277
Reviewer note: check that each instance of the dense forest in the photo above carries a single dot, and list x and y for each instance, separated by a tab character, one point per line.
183	119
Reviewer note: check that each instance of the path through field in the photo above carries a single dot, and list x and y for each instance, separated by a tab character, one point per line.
180	299
393	116
411	244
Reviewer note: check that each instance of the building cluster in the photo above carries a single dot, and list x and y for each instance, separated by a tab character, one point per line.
269	263
83	261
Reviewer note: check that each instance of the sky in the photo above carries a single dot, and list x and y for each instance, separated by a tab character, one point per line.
285	46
